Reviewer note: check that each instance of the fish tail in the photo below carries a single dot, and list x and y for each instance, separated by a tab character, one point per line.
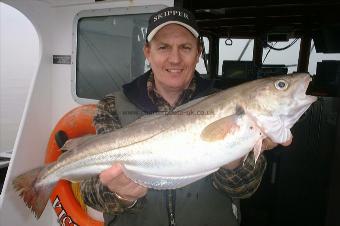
34	195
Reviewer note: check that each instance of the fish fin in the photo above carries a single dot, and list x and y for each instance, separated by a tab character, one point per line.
148	118
257	149
73	144
77	179
190	103
274	128
162	182
65	154
245	158
219	129
35	196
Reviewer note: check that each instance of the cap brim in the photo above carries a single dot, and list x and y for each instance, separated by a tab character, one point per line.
156	29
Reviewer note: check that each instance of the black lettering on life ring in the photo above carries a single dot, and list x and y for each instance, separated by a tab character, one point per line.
63	218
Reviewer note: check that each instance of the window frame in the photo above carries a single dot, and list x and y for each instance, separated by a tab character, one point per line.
95	13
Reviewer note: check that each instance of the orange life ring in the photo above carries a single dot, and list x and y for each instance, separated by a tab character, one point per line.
76	123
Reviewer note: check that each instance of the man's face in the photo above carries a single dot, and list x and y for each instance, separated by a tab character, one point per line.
173	54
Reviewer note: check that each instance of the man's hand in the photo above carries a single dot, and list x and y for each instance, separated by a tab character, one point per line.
119	183
268	144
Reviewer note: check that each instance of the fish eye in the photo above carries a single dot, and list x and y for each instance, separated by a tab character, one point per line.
281	84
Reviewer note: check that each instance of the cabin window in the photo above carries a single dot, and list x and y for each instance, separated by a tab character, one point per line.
235	58
318	58
234	50
325	68
109	53
282	55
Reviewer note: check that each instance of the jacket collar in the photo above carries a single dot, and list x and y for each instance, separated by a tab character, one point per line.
136	91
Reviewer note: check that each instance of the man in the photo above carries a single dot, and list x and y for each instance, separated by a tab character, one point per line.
172	49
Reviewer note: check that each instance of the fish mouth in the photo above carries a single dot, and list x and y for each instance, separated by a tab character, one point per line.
302	89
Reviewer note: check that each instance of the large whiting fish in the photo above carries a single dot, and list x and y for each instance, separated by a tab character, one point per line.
169	151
